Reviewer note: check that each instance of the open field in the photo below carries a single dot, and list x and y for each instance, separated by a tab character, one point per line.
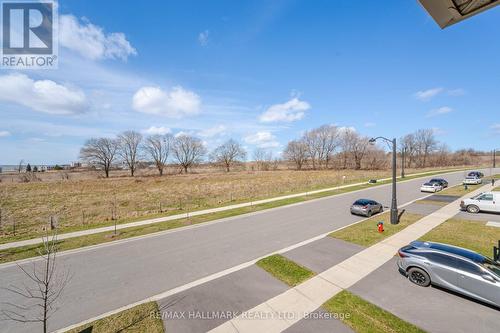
363	316
474	235
89	203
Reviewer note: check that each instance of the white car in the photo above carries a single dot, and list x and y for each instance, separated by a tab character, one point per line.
487	201
431	187
472	180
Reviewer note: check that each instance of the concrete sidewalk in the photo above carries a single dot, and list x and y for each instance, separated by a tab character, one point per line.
279	313
191	214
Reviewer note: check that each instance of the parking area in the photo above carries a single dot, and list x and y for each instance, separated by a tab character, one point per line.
432	309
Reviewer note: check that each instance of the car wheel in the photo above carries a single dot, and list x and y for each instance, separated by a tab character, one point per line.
369	213
419	277
473	209
381	209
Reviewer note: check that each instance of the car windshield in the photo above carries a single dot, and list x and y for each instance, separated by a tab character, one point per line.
492	266
361	202
428	184
435	181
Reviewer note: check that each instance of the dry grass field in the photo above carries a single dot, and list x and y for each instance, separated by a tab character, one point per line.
85	201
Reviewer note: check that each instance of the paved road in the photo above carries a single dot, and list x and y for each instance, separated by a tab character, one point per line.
109	277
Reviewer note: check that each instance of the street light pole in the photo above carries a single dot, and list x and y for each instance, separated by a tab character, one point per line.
394	202
403	156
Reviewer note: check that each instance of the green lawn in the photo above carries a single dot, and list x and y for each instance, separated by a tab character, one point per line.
459	190
365	317
474	235
285	269
142	318
365	233
432	202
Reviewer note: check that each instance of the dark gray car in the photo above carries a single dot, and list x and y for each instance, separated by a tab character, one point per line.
366	207
454	268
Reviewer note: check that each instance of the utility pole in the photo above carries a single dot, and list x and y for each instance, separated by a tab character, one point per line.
394	202
403	156
494	158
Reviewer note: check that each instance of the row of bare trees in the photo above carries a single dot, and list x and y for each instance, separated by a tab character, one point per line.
322	146
131	148
329	146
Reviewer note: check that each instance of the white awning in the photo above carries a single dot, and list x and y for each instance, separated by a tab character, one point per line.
448	12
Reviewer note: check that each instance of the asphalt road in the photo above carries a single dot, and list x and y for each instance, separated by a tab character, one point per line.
113	276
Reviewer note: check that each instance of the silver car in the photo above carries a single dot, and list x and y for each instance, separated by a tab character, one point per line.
454	268
366	207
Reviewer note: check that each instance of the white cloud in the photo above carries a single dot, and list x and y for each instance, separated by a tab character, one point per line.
347	129
290	111
181	133
91	42
440	111
426	95
43	95
262	139
496	128
176	103
4	134
153	130
212	131
203	38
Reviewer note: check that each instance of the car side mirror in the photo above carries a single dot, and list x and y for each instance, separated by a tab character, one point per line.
488	277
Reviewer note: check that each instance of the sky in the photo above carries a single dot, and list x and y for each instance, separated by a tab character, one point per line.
261	72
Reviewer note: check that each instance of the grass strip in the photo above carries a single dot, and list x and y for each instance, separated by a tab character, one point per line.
473	235
141	318
285	270
432	202
365	233
365	317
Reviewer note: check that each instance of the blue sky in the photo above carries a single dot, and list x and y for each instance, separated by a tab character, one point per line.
261	72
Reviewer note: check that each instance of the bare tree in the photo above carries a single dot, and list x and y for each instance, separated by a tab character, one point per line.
408	147
46	283
188	151
321	144
353	145
100	152
296	152
20	166
426	143
228	153
158	147
263	158
129	143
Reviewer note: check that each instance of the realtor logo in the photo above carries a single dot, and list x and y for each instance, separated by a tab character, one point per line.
29	36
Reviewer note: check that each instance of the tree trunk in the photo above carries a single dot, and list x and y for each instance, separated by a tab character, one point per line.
185	168
106	170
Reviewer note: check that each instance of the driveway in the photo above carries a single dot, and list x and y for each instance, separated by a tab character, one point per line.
432	309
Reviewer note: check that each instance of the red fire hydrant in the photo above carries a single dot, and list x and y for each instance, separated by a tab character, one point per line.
380	226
